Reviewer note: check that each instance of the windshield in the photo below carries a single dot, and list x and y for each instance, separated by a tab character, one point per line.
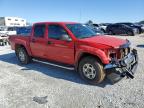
81	31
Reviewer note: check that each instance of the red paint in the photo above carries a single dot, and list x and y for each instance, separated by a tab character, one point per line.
66	52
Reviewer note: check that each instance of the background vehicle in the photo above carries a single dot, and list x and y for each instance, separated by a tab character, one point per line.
7	30
142	27
104	26
95	27
139	27
75	46
98	26
121	29
23	30
3	39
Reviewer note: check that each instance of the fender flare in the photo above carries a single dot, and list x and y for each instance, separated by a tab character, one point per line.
25	45
99	54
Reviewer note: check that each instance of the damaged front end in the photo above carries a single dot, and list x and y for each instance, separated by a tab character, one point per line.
126	65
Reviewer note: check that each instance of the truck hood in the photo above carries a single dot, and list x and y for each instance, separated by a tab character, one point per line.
105	40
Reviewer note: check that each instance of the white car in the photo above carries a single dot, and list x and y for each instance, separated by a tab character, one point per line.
6	31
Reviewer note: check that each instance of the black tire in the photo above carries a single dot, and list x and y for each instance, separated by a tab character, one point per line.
26	58
2	43
110	32
100	74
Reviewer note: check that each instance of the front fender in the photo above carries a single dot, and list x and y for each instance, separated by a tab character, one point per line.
93	51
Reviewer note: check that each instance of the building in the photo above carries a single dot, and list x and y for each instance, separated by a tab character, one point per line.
12	21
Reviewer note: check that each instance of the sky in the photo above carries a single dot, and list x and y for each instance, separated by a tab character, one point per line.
99	11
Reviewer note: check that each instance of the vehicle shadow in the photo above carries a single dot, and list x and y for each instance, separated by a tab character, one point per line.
51	70
140	46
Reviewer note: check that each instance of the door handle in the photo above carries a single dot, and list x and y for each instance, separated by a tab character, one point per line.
49	42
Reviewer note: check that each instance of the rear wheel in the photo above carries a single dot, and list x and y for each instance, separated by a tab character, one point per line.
22	55
91	70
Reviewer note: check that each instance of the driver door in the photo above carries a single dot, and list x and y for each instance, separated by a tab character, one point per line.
57	49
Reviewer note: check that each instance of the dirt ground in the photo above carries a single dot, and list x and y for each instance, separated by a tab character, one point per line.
42	86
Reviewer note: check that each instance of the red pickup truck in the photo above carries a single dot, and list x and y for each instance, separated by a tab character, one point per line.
72	45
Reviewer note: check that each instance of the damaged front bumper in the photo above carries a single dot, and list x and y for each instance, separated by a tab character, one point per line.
126	66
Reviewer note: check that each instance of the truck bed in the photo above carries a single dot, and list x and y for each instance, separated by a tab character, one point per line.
18	39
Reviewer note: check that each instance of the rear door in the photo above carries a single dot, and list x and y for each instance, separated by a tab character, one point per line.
38	41
121	29
116	29
57	49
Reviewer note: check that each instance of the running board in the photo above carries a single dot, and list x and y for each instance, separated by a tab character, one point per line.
56	65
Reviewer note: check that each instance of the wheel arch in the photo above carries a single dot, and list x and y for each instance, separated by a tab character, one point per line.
99	68
19	46
83	55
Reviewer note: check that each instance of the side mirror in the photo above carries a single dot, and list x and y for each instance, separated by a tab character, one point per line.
66	38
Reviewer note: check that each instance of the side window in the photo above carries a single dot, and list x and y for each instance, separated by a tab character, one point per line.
56	31
96	25
116	26
113	26
39	30
119	26
123	26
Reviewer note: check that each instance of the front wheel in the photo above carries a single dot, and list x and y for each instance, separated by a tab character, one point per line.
22	55
91	70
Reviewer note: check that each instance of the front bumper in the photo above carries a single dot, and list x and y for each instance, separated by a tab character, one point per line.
126	66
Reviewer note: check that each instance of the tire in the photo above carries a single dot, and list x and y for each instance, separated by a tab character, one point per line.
95	66
2	43
110	32
22	55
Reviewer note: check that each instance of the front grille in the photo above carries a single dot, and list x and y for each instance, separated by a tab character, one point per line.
119	53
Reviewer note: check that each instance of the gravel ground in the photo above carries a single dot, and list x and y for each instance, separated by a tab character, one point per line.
41	86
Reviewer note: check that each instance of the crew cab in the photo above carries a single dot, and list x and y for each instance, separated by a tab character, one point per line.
71	46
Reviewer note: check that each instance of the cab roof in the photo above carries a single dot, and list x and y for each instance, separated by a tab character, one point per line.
56	23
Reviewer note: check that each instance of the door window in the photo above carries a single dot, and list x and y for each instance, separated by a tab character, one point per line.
56	32
39	30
